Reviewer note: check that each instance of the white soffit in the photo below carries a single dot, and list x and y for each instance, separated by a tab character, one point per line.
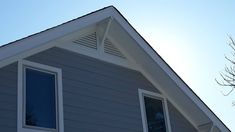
88	42
188	93
48	38
52	37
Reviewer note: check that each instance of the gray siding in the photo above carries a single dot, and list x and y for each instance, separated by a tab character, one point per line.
98	96
178	122
8	98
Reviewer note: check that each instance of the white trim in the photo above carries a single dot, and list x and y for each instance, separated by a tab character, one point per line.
183	87
106	31
14	58
98	55
42	41
20	97
13	52
212	128
143	93
150	78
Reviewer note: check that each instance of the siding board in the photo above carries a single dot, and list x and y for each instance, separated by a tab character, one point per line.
8	98
178	122
76	109
112	94
95	71
96	118
87	102
98	96
89	63
4	82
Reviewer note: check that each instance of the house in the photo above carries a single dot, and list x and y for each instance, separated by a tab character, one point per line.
95	74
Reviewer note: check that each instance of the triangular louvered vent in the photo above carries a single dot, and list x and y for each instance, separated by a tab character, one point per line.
109	48
88	41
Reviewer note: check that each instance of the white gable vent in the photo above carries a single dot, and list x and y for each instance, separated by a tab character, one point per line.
109	48
89	41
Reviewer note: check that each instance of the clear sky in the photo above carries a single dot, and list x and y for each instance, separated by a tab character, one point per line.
191	36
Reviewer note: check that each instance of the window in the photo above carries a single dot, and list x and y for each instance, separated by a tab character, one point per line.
40	106
40	99
154	112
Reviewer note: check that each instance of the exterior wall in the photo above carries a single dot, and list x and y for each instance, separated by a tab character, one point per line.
178	122
98	96
8	98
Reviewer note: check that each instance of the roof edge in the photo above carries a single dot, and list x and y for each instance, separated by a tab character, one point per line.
17	40
170	68
157	55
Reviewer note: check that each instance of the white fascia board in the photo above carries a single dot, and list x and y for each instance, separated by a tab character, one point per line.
12	52
96	54
44	40
145	46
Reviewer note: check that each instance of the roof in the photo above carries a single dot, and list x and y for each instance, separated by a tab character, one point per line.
35	43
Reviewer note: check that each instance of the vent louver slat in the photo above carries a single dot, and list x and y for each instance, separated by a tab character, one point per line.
109	48
89	41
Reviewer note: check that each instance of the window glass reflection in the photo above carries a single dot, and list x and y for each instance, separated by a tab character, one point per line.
155	115
40	99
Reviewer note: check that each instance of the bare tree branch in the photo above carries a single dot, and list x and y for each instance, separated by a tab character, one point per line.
229	60
228	76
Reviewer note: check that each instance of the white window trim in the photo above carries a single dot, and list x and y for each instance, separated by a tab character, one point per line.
20	97
146	93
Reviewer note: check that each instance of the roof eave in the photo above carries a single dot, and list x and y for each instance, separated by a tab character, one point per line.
48	38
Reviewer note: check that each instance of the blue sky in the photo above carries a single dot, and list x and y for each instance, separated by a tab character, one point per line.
191	36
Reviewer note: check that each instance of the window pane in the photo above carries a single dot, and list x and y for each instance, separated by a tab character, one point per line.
155	115
40	99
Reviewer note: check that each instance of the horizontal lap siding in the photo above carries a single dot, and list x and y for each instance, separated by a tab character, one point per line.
178	122
8	98
98	96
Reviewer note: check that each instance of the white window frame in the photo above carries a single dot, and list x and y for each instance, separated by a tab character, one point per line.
145	93
21	101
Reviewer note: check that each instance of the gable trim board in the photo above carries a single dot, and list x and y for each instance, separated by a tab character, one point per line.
63	33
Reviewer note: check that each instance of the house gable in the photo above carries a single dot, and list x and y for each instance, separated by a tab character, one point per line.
110	26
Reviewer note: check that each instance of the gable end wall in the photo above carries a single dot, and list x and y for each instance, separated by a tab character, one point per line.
98	96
